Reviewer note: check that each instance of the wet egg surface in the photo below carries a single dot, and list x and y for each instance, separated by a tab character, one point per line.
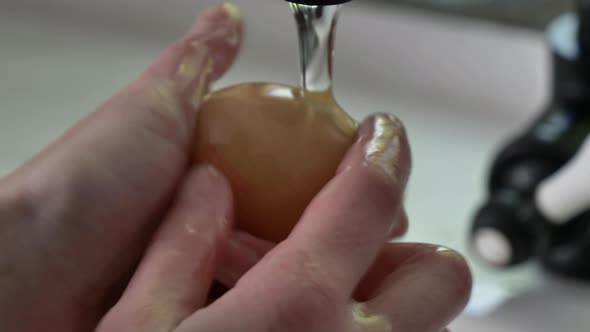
278	145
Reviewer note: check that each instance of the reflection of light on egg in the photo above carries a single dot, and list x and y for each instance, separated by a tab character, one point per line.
280	92
277	145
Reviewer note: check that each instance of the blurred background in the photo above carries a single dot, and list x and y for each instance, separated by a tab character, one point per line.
464	76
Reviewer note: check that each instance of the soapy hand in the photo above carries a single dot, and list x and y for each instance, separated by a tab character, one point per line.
111	227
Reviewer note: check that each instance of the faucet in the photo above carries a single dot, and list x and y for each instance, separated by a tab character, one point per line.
538	204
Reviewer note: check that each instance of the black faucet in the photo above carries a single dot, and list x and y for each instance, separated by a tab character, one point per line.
518	222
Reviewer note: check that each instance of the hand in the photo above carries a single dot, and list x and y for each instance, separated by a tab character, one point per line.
77	218
333	273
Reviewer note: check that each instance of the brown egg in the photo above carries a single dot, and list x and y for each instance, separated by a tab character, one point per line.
278	145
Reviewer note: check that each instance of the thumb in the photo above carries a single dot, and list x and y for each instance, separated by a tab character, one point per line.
95	191
127	156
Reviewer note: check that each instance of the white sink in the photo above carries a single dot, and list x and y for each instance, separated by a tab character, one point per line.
460	87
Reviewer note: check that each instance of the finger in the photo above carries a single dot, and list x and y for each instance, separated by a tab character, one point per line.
175	275
241	253
391	257
107	181
345	226
315	270
426	287
216	35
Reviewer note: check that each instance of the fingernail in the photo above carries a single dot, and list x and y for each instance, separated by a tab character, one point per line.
240	258
207	45
217	21
214	173
448	252
366	320
246	253
383	150
233	11
194	73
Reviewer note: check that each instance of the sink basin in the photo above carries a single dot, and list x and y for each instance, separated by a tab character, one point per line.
460	87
